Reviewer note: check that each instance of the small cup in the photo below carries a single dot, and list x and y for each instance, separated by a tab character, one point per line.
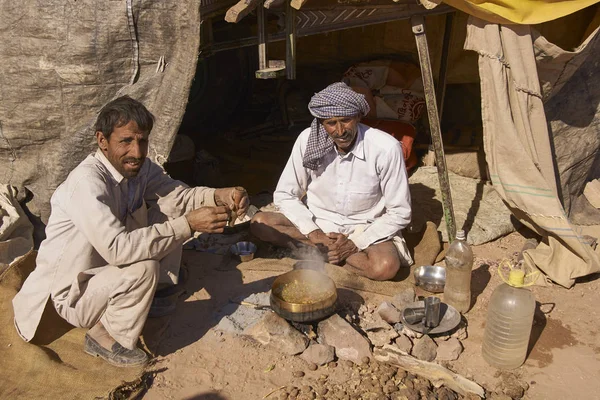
244	250
414	316
432	311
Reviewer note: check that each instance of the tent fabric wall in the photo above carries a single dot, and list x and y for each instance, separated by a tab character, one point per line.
571	93
515	11
519	150
62	61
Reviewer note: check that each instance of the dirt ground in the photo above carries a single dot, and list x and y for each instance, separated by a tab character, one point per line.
196	362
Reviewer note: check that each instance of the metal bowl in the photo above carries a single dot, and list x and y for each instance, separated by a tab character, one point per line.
303	312
431	278
244	250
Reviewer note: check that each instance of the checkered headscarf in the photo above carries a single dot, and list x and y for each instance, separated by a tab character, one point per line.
336	100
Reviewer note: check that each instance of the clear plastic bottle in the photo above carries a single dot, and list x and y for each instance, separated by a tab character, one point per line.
459	263
508	324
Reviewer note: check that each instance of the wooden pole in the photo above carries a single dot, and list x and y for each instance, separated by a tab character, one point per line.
290	45
418	28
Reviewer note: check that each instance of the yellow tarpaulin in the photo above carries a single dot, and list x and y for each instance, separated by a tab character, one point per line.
516	11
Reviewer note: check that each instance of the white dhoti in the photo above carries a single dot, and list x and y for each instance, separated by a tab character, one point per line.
406	259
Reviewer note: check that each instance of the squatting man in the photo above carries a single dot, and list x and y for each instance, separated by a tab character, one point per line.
115	235
344	190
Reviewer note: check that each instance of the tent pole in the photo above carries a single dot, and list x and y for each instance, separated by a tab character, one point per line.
441	92
263	56
418	28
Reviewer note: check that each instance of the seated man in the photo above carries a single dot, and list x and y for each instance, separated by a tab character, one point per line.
344	189
115	232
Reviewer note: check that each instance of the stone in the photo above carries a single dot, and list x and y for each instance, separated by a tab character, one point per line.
298	374
404	298
410	333
275	331
389	313
425	349
382	336
449	350
405	394
511	385
461	332
319	354
404	343
348	343
499	396
443	393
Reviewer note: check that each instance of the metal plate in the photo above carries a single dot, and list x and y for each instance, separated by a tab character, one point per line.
450	318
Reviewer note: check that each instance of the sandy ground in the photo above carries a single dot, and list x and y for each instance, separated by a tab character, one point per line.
196	362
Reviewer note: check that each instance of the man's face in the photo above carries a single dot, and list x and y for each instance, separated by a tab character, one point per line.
126	149
342	130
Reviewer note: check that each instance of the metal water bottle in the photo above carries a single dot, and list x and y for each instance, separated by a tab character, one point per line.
459	263
508	324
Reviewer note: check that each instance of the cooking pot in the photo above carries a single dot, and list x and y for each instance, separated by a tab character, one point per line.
307	310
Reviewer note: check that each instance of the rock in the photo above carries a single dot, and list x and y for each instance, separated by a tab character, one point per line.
425	349
404	298
319	354
404	343
312	366
511	385
410	333
348	343
443	393
373	322
389	313
405	394
461	332
274	331
449	350
513	390
382	336
298	374
499	396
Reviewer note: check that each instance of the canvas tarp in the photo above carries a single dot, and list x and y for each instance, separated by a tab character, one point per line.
519	146
16	232
515	11
61	61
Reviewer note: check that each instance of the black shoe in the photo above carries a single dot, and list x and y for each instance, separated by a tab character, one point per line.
118	355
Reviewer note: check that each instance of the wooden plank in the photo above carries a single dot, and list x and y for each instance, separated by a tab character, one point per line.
273	3
263	43
290	44
240	10
297	4
437	374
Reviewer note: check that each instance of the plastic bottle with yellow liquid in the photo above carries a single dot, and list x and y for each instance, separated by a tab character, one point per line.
508	324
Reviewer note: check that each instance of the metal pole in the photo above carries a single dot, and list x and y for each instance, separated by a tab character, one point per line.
418	28
263	56
290	45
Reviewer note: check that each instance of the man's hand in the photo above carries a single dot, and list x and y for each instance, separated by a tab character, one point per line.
234	198
321	240
341	249
208	219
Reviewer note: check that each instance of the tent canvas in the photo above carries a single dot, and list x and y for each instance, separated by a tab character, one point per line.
62	61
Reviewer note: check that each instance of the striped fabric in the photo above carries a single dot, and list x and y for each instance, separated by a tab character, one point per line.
336	100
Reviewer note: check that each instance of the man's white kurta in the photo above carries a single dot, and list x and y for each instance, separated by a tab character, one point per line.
368	185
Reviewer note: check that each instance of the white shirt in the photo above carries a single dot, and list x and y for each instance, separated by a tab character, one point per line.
368	185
